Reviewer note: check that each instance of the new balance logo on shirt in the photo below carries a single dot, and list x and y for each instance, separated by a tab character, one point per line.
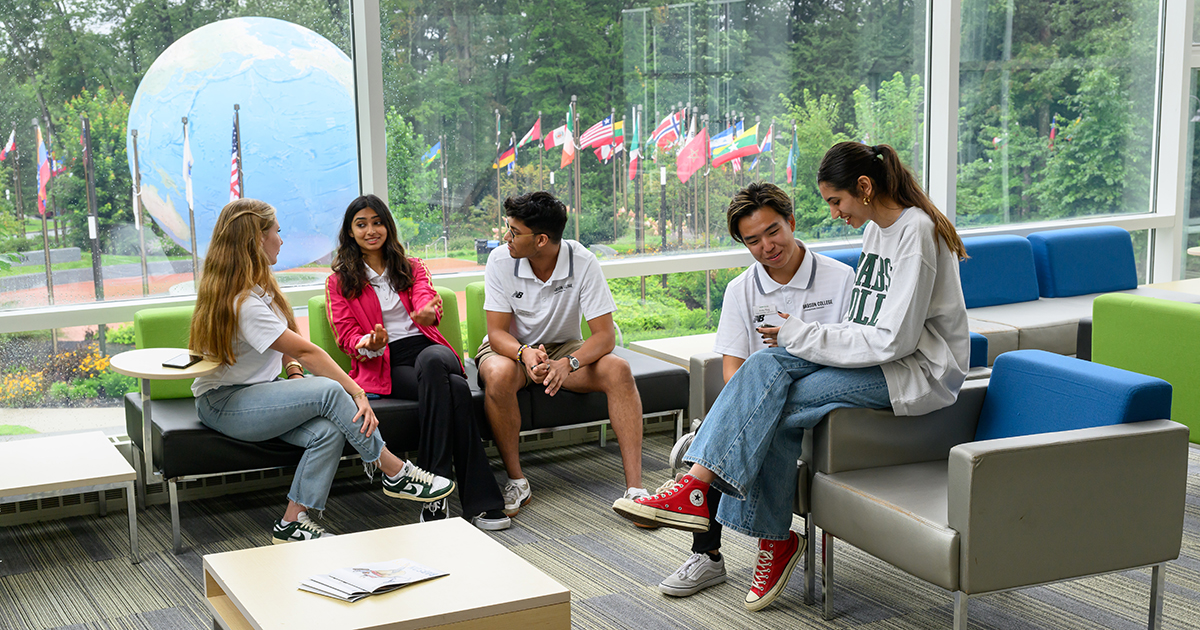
870	289
518	295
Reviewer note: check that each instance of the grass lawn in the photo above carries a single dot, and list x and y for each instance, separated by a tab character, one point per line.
84	262
15	429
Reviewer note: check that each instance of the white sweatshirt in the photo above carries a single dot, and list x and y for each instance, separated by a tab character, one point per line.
907	315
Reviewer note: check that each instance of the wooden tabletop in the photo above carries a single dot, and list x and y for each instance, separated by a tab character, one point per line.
485	579
59	462
677	350
148	363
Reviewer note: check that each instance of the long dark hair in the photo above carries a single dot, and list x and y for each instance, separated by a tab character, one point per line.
845	162
348	260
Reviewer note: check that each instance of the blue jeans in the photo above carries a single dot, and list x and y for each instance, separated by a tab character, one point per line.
753	435
312	413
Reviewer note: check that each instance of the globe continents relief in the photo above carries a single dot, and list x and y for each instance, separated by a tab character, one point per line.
299	153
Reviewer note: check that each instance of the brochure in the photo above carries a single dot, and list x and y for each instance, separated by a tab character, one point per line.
368	578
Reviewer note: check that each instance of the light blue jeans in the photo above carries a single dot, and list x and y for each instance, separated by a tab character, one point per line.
313	413
753	435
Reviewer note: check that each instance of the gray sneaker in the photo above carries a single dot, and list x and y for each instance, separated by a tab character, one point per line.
679	450
492	521
697	573
517	494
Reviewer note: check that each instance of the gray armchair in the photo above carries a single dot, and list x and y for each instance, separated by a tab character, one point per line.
1054	469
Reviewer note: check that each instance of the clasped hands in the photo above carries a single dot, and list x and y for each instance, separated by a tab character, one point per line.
428	315
544	371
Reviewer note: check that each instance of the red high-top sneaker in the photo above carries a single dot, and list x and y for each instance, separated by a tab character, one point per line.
776	560
682	506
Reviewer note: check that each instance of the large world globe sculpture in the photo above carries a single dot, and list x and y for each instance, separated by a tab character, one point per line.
299	151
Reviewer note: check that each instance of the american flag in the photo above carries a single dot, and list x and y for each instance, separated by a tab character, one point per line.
235	184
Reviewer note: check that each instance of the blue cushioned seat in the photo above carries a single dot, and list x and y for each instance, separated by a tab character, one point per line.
979	351
850	255
1079	261
1000	270
1032	392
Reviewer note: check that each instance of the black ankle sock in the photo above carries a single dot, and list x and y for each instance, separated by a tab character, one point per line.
714	555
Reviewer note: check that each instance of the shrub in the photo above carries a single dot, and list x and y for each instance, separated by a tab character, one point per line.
122	334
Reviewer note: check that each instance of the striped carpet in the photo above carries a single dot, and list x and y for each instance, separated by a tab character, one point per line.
75	573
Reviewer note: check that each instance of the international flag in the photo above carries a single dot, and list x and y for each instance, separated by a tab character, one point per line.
634	151
56	165
693	156
1053	129
722	140
619	136
736	163
506	158
10	145
669	130
235	167
535	133
557	138
568	154
432	154
598	134
187	168
745	144
765	147
604	152
792	155
43	161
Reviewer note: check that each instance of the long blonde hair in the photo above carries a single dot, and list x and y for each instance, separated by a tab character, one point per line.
845	162
234	265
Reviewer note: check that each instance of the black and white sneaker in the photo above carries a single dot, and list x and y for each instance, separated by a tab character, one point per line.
492	521
300	529
435	511
416	484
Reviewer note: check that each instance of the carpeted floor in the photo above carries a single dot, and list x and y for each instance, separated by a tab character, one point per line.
75	572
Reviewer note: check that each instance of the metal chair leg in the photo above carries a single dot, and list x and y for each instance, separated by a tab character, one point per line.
678	424
139	467
960	610
131	502
810	559
1158	583
827	573
176	538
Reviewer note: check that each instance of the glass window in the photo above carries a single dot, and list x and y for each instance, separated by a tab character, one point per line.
1056	109
464	86
1191	203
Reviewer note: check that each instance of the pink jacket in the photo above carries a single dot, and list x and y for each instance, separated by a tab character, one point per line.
351	319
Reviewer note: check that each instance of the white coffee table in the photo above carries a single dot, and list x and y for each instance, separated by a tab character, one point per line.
41	467
488	586
146	364
676	350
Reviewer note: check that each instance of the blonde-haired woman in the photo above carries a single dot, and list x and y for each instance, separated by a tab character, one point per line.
243	321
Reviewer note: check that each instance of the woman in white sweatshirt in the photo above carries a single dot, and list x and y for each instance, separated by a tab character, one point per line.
902	344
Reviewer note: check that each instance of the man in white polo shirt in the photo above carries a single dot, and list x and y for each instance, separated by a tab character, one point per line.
785	278
537	289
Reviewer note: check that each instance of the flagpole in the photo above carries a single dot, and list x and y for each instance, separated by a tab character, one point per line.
707	274
640	225
46	242
89	171
445	196
613	115
498	201
541	150
192	222
137	205
771	131
17	175
578	159
237	128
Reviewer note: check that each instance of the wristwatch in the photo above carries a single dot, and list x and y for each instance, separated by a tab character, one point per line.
574	362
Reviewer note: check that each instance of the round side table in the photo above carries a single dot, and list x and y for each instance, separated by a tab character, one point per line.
146	364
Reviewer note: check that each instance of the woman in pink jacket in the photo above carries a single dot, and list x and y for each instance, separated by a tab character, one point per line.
385	311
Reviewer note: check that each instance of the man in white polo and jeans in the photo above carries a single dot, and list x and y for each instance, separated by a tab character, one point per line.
785	278
537	290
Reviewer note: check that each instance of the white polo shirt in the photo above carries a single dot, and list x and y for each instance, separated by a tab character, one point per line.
547	312
259	324
818	292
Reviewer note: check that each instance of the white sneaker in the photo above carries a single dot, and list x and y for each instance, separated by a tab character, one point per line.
517	494
638	493
491	521
416	484
697	573
300	529
679	450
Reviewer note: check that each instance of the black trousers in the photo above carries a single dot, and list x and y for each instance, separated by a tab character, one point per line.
710	540
430	374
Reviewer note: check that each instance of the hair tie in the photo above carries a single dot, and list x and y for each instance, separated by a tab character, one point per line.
877	152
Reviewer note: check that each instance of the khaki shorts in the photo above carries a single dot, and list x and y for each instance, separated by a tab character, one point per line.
555	350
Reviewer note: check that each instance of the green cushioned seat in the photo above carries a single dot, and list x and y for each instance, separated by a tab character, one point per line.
1155	337
477	320
166	327
321	333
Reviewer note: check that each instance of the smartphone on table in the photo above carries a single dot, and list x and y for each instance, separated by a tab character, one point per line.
182	361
